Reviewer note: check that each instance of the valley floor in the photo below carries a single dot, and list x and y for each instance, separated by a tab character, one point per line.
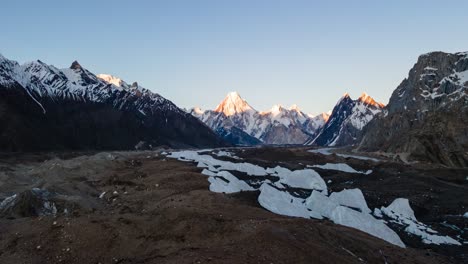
145	207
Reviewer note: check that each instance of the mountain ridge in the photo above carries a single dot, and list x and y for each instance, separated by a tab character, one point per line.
426	118
279	125
346	122
52	107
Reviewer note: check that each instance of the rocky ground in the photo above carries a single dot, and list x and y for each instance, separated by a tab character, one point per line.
142	207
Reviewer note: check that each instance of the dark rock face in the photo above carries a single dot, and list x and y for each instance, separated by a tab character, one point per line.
346	123
237	137
427	116
44	108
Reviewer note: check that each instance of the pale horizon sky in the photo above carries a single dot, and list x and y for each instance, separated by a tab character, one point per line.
300	52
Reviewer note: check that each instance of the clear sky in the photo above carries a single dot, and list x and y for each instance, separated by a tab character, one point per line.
272	52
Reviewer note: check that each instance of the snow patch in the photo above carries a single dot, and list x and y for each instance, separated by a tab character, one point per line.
281	202
338	167
327	151
225	182
402	214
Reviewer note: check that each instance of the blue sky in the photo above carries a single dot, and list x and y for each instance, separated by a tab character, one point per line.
272	52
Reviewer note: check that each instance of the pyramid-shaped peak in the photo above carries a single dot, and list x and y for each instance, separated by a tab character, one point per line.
76	66
233	104
234	95
345	98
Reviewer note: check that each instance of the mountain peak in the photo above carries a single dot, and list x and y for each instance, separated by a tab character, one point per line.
345	98
76	66
294	107
366	99
276	109
233	104
110	79
234	95
197	111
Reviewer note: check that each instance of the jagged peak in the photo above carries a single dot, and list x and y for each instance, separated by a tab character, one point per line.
276	109
326	115
3	58
197	110
364	96
76	66
367	99
294	107
111	79
233	104
345	97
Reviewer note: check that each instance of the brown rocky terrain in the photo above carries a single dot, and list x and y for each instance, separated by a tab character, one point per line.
159	210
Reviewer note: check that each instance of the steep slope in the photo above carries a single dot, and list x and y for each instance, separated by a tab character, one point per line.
347	120
45	108
276	126
427	115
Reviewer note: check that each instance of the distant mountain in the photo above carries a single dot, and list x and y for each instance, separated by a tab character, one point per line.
46	108
427	115
276	126
346	122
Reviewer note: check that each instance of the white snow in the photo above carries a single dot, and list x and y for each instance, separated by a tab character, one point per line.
113	80
235	111
188	155
351	198
399	208
465	215
338	167
347	207
306	179
35	100
366	223
8	201
225	182
330	208
208	172
327	151
233	104
281	202
321	204
223	153
401	213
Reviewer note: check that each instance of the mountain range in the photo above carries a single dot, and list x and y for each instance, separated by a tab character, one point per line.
46	108
279	125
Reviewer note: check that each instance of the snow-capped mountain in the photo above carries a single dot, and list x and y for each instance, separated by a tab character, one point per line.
43	107
276	126
347	120
427	115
